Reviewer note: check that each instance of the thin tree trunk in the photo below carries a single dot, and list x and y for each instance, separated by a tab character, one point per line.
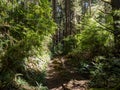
67	15
116	18
54	9
90	7
54	17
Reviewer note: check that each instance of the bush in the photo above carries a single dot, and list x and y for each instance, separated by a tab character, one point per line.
69	44
106	73
25	35
92	41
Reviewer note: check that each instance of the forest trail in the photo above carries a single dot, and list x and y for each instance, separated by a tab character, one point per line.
61	75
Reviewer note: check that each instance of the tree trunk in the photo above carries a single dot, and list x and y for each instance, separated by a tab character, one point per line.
67	15
116	18
54	17
54	9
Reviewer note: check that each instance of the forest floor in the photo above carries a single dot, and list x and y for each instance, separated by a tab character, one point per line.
62	75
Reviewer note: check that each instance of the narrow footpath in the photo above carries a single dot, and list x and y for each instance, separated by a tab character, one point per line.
61	75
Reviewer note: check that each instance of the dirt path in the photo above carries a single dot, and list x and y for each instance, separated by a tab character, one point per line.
63	76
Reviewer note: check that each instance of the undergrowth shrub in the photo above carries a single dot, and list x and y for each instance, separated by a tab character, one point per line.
102	72
92	41
57	49
105	73
69	44
92	48
25	35
66	46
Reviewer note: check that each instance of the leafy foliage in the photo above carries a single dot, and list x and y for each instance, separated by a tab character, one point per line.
93	49
25	33
91	37
106	73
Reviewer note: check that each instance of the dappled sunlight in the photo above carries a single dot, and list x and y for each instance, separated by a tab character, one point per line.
60	76
59	44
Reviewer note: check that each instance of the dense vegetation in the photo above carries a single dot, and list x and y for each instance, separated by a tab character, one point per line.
86	32
25	33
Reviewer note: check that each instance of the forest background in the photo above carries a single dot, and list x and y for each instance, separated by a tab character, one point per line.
86	32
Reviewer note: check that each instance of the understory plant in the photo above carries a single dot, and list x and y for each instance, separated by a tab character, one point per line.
93	49
105	73
26	28
92	41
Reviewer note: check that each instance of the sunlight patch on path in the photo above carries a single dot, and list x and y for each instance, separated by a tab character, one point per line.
61	77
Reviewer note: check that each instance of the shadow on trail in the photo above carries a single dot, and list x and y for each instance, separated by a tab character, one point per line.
62	75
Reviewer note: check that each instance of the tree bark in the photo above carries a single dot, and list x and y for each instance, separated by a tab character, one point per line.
116	19
67	15
54	9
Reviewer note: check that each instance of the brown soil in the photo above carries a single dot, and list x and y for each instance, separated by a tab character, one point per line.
63	76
